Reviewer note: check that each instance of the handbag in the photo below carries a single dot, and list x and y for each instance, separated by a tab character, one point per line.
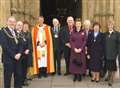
77	62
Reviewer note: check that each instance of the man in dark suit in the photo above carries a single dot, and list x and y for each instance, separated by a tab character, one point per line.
56	45
12	50
65	36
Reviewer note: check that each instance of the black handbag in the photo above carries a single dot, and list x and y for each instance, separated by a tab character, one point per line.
77	62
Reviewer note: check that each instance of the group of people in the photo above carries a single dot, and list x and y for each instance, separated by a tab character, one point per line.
84	47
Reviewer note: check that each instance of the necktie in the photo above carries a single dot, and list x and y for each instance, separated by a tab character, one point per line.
14	35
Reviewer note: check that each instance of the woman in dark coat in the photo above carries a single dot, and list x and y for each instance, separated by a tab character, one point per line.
27	52
111	48
77	58
95	48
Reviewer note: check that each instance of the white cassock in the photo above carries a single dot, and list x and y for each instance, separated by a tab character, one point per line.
42	61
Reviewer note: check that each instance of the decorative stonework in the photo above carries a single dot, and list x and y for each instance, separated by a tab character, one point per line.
99	10
21	9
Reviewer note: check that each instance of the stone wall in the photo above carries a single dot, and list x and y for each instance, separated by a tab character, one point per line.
21	9
101	11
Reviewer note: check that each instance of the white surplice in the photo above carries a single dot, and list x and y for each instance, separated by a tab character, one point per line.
42	61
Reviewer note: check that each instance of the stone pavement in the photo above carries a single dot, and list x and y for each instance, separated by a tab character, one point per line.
66	82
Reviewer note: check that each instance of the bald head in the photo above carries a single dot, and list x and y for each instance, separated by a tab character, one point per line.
11	22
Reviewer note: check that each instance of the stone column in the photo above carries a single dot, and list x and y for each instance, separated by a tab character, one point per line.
84	9
117	13
91	7
4	11
103	17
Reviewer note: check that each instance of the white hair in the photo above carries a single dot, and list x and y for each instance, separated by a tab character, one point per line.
55	20
70	18
19	22
11	17
87	22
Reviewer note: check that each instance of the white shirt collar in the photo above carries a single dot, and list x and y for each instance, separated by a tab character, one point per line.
111	31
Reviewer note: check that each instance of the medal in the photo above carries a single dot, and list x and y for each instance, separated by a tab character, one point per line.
24	39
56	36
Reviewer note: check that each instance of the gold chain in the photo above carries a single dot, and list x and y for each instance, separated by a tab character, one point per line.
8	34
13	37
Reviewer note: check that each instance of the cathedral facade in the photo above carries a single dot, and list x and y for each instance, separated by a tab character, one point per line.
95	10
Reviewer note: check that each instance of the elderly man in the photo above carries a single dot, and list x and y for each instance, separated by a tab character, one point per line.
55	30
65	36
12	50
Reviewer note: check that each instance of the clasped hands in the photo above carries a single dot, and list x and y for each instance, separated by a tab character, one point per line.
77	50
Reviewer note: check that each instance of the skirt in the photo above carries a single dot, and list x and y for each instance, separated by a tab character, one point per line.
111	65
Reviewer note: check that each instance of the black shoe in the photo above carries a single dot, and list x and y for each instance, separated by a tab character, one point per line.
53	74
75	78
59	74
67	73
39	76
92	80
97	81
25	83
106	79
109	84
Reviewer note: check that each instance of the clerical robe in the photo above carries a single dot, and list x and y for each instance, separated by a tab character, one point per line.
42	55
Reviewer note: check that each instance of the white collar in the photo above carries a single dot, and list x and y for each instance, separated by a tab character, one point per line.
111	32
10	29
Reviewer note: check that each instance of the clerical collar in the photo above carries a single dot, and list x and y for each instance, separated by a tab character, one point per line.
42	25
111	31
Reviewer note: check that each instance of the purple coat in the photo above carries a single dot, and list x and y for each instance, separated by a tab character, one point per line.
78	40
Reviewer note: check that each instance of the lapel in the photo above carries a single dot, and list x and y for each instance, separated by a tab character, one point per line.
8	31
110	35
53	30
